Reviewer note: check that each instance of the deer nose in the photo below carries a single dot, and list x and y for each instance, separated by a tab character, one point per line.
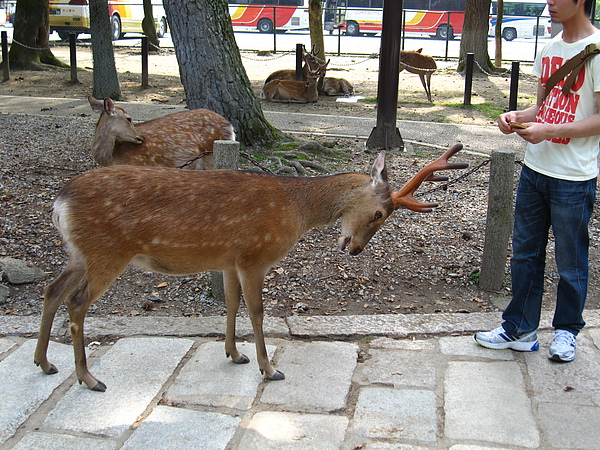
140	139
356	251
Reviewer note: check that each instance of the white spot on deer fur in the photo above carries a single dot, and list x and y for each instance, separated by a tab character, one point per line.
268	237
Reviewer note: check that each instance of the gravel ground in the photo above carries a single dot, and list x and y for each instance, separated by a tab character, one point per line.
416	263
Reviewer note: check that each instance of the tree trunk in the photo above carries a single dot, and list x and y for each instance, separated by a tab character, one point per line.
106	81
475	35
149	27
315	23
211	69
29	49
498	32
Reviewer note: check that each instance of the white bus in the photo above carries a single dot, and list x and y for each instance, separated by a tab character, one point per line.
522	19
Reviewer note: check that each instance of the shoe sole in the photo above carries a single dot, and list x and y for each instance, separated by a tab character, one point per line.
517	346
559	359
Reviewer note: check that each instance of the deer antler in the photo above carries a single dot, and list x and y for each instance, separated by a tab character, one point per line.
405	196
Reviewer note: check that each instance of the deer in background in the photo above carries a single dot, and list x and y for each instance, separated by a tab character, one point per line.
183	139
183	222
420	64
328	85
294	90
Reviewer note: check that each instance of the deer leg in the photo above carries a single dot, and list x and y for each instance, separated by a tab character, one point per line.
426	81
54	294
252	287
95	284
232	299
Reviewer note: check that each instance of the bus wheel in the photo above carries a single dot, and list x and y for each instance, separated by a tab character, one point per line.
352	28
162	28
509	34
265	26
444	32
115	28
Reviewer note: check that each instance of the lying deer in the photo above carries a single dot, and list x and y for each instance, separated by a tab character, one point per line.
329	85
420	64
183	222
294	90
311	64
183	139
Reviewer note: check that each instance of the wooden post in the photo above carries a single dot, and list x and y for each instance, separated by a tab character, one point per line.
499	221
226	155
299	60
386	135
5	63
73	56
469	78
514	86
145	83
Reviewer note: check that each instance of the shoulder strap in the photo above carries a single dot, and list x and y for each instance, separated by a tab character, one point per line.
573	66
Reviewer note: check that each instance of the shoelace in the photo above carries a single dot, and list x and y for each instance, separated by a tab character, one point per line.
564	338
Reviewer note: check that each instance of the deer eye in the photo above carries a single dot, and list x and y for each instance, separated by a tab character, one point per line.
377	216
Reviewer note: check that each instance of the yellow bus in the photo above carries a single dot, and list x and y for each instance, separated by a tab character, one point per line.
73	16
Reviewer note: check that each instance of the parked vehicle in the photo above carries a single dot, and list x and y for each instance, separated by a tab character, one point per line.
268	15
442	19
125	17
522	19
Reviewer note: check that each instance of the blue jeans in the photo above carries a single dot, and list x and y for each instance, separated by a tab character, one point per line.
567	206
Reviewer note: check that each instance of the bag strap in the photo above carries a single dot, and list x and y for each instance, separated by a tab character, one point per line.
573	66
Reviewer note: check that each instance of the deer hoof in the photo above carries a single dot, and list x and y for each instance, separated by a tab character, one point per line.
51	370
277	376
99	387
243	359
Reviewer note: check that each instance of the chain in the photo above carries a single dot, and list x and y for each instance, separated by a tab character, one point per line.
420	69
189	161
455	180
266	58
28	47
247	157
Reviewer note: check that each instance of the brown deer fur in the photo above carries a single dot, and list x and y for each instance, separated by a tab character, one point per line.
293	90
183	139
420	64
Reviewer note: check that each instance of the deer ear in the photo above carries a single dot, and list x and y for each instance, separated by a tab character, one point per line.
97	105
379	171
109	106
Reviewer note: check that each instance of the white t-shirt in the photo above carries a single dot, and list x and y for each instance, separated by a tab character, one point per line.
573	159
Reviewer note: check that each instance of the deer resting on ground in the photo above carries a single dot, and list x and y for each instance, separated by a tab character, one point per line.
328	85
420	64
293	90
183	222
183	139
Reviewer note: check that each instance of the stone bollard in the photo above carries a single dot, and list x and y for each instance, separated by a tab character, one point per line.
499	220
226	155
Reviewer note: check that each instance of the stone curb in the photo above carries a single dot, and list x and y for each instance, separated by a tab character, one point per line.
301	327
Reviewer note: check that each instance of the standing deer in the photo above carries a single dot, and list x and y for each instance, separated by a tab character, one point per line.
183	222
328	86
183	139
293	90
422	65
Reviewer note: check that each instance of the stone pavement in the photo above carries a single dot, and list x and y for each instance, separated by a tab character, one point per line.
369	382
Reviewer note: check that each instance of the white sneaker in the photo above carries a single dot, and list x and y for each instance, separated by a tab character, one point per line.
562	346
499	339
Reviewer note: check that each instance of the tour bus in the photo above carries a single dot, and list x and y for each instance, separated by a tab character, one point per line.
268	15
438	18
522	19
73	16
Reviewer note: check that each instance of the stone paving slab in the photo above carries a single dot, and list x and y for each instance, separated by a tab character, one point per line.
52	441
180	429
211	379
23	386
134	370
318	377
487	401
291	431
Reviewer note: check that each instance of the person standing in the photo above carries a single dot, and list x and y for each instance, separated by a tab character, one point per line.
557	189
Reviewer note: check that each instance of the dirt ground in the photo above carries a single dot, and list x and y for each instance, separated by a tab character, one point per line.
417	263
